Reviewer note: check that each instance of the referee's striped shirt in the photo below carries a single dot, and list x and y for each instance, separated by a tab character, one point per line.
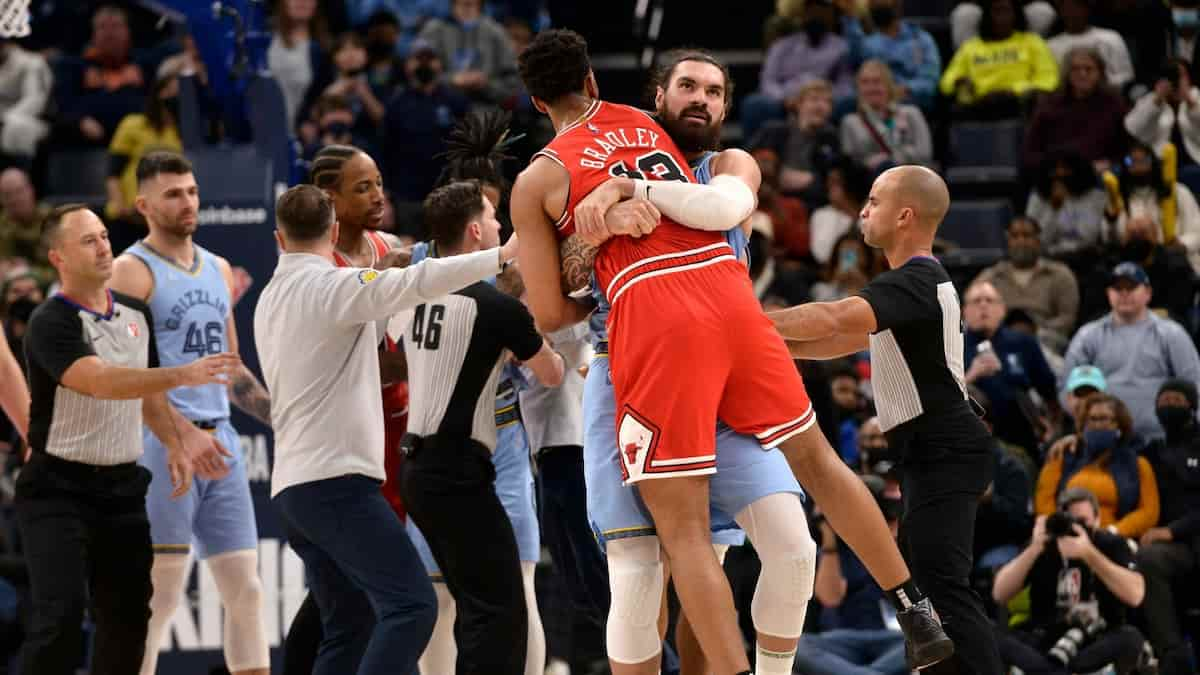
455	348
917	349
64	422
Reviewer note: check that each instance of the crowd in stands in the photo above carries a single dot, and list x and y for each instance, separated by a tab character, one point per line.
1081	326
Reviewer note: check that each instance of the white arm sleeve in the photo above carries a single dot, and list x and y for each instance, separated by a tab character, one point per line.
719	206
362	295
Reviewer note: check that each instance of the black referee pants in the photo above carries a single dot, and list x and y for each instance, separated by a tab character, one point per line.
85	530
448	485
947	467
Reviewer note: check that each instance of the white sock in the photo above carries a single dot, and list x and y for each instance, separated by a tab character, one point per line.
767	662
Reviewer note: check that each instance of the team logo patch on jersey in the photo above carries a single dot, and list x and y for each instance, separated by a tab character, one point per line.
133	330
593	128
367	276
636	438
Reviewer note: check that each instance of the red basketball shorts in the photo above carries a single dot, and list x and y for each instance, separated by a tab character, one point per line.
687	349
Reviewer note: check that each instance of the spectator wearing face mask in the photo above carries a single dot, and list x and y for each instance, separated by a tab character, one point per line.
907	49
417	120
1103	459
814	53
1003	519
1168	554
1082	382
1027	280
475	52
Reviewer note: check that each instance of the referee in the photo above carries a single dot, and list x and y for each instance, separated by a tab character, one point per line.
317	331
909	317
81	498
456	347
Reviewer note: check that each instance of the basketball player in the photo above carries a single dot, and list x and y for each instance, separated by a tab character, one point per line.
189	291
724	359
691	100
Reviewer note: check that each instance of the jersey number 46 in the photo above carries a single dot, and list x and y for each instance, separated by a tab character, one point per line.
427	334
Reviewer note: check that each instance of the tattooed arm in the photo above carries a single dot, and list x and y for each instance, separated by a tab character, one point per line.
245	391
577	259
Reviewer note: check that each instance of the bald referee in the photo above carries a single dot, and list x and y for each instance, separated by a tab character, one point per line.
910	319
317	331
81	497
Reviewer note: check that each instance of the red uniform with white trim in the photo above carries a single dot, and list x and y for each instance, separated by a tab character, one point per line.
688	341
395	400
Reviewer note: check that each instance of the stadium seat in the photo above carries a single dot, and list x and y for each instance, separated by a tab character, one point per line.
77	176
976	231
984	152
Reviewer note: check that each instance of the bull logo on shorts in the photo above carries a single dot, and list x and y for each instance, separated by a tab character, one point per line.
636	439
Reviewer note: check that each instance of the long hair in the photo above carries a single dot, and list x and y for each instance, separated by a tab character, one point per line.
1103	86
1083	174
318	27
156	110
1157	182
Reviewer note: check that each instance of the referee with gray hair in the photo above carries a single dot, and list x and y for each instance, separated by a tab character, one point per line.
81	498
317	328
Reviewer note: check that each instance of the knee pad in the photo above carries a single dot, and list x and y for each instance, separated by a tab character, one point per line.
635	573
777	527
169	576
236	574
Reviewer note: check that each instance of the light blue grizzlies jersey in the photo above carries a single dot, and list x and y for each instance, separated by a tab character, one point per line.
736	237
190	309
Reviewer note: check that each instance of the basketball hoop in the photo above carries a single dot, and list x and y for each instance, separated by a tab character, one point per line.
14	18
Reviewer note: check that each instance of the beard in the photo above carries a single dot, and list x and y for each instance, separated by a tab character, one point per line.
688	137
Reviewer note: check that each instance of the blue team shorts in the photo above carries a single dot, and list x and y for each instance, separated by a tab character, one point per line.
745	472
217	514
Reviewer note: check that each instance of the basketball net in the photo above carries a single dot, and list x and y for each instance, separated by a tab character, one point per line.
14	18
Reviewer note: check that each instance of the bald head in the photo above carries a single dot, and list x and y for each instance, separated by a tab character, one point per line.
922	190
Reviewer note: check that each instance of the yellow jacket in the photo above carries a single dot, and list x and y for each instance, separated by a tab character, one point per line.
1017	64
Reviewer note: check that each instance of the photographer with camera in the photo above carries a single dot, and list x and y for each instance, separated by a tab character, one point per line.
1082	582
1163	114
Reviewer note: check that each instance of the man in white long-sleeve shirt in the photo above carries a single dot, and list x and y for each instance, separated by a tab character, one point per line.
317	331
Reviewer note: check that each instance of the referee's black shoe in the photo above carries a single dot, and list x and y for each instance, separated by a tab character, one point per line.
925	643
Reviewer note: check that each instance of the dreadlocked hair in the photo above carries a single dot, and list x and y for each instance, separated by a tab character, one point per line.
326	169
476	149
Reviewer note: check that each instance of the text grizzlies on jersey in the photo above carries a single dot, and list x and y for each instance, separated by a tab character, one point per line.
612	140
189	300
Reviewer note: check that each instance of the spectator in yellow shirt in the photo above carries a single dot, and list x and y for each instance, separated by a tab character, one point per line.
137	134
1105	460
995	74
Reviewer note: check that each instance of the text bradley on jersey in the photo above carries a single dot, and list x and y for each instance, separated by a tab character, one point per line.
611	140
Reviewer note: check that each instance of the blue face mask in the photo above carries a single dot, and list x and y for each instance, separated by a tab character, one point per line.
1185	18
1100	440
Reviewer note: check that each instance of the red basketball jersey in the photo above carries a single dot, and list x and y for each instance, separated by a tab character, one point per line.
617	140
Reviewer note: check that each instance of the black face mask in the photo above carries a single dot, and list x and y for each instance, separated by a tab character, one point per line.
171	105
1176	421
816	30
424	74
883	17
1137	250
378	51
